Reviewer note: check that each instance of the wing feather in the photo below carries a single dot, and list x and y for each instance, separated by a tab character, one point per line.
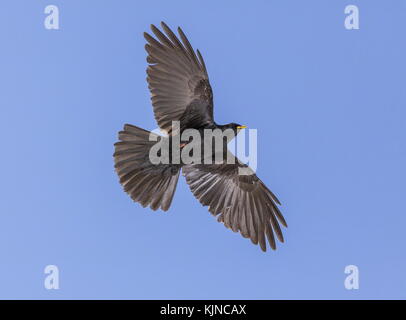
242	203
178	80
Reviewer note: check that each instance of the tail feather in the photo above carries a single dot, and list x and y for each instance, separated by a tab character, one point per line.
146	183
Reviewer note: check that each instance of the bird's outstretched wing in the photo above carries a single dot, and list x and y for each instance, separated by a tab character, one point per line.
242	202
178	81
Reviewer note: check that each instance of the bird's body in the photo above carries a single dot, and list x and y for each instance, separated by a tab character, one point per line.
181	93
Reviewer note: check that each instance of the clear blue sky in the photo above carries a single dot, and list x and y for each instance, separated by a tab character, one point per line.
330	108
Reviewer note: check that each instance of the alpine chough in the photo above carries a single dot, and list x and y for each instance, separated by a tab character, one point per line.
180	91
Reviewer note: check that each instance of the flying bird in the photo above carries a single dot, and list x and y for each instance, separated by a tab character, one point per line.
180	91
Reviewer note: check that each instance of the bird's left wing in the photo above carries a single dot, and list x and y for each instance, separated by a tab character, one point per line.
178	81
242	202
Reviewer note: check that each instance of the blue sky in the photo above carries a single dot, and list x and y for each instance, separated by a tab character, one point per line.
330	108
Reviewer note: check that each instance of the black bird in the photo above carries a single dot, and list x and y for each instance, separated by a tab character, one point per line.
180	91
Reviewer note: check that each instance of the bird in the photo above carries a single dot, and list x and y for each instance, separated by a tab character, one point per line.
180	91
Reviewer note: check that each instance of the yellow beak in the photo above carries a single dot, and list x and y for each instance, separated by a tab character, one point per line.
241	127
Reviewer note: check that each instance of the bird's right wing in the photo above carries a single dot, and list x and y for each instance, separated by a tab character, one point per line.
178	81
242	202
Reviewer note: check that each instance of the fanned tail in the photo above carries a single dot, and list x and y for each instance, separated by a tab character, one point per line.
146	183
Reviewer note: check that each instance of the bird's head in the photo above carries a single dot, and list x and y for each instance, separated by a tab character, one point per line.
236	127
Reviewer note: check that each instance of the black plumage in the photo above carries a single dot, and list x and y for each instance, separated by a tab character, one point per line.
181	91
